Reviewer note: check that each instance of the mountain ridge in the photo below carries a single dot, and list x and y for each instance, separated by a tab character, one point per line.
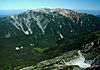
47	25
37	35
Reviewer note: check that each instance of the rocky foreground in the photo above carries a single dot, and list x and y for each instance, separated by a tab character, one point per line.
85	59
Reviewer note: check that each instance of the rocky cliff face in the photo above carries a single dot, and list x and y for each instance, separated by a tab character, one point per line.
69	61
73	60
92	53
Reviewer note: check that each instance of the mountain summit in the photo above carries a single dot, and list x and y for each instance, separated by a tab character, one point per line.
53	22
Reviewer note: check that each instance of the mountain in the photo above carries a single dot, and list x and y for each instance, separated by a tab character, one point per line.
42	25
53	23
35	35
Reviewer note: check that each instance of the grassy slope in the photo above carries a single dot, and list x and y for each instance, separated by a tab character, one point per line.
10	58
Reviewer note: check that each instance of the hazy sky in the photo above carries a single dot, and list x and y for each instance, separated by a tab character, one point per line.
31	4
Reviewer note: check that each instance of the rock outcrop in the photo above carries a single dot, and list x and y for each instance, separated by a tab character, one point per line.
87	58
73	60
92	53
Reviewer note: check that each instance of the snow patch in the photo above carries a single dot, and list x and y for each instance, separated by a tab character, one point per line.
81	23
21	47
18	23
71	31
32	44
38	19
60	26
26	32
17	48
61	35
80	61
30	31
12	17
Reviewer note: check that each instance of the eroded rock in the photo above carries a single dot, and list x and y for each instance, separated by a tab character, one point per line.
73	60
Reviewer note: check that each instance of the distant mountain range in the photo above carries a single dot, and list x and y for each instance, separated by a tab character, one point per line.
10	12
98	15
94	12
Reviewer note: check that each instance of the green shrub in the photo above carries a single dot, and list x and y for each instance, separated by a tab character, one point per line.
40	50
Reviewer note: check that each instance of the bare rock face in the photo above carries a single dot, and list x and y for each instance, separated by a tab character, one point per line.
88	46
92	54
73	60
